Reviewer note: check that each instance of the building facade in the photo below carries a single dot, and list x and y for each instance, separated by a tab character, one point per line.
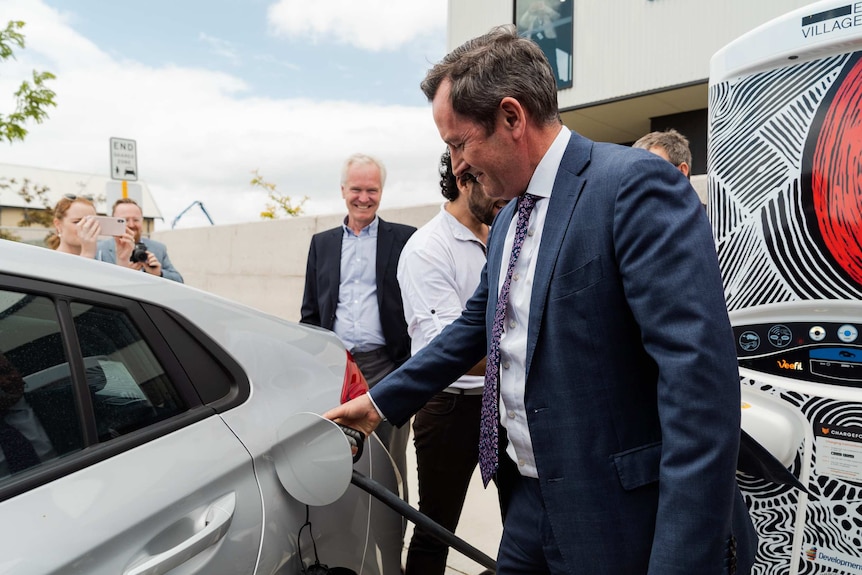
636	65
16	207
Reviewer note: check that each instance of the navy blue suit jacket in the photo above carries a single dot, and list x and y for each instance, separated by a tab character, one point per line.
632	388
323	278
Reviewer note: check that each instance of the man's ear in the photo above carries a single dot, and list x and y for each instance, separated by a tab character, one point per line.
513	116
685	169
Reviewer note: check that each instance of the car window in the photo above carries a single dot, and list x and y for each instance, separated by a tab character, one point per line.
129	386
38	414
42	410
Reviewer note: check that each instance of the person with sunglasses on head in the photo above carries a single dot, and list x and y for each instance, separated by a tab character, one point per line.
133	250
75	231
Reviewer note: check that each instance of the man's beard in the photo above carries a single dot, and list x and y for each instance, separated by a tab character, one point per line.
482	209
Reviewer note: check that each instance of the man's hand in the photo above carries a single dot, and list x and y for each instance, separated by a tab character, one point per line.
153	265
357	413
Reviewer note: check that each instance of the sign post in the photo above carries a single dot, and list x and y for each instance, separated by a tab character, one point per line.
124	162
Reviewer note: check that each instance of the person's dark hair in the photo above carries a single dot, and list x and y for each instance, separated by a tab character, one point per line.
448	183
674	144
486	69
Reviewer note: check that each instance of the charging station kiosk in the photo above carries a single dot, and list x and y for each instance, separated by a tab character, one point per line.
785	202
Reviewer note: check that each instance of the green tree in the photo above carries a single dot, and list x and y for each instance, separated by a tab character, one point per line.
278	203
42	213
31	100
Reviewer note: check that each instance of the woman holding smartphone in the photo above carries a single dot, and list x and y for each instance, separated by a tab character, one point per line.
76	231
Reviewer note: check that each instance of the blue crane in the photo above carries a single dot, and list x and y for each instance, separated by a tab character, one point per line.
193	204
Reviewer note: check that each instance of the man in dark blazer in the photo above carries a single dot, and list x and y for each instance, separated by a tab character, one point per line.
351	286
618	391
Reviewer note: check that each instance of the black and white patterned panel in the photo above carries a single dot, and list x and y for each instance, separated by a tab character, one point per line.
834	508
759	128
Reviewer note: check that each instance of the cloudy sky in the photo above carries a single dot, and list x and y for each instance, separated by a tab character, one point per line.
212	90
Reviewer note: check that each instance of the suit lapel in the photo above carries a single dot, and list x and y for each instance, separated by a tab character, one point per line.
568	186
384	249
332	250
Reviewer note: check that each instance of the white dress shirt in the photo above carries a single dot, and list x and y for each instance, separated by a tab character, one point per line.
438	271
513	343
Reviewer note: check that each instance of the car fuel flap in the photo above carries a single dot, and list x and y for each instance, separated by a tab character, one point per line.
313	459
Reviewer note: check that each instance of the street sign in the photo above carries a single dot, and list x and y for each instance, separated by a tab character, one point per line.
124	160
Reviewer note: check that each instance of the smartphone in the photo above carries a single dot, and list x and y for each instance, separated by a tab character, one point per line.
111	226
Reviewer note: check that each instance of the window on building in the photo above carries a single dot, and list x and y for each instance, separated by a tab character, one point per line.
549	24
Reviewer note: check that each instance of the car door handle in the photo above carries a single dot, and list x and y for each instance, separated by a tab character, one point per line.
217	522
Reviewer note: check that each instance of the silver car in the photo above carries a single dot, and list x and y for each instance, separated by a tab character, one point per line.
142	423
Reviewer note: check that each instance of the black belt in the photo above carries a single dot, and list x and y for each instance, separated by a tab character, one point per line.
461	391
376	352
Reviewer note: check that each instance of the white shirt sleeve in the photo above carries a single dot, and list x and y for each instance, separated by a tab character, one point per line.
430	293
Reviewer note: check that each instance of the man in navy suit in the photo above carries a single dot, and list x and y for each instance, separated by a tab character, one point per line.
351	286
617	386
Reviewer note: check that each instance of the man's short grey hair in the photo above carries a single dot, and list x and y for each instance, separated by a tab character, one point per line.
363	159
674	144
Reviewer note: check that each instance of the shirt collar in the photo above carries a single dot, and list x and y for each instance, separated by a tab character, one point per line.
370	230
459	231
542	182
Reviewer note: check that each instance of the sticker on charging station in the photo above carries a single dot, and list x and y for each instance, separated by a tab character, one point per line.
839	451
832	558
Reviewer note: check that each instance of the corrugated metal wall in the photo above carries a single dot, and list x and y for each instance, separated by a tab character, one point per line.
625	47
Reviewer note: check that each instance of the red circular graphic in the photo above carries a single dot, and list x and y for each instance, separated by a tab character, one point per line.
836	175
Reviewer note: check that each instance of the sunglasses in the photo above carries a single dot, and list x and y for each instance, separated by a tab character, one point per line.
73	197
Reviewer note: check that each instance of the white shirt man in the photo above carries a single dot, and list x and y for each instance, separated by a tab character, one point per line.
438	271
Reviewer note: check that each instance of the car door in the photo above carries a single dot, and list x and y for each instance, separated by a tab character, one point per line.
109	460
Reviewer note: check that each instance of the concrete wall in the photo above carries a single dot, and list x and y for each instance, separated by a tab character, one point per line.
261	264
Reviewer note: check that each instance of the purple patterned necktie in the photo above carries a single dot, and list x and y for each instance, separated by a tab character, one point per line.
488	437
